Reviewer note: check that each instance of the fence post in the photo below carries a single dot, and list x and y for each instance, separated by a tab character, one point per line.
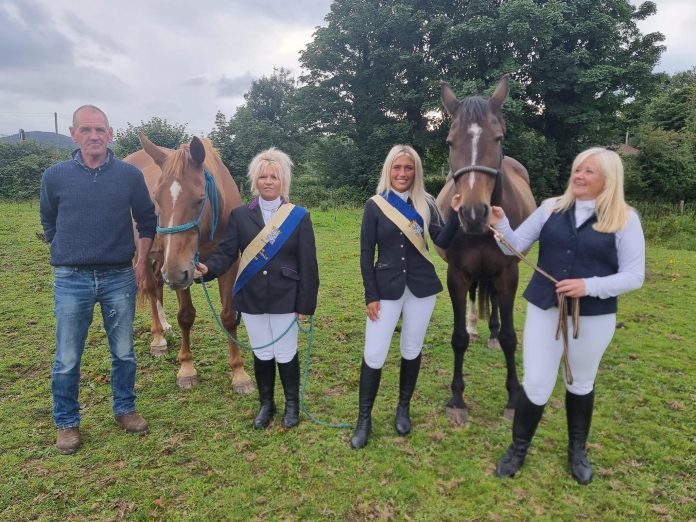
681	206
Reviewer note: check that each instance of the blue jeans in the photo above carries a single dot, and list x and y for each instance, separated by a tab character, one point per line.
76	290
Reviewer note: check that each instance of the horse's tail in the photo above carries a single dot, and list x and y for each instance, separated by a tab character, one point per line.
486	289
153	278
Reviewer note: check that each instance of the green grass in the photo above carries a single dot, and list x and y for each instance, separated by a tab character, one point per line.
203	460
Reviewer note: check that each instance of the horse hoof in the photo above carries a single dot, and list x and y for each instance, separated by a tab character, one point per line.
509	413
494	344
158	351
186	383
473	336
244	387
457	416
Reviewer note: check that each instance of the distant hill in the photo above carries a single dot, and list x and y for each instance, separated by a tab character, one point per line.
47	138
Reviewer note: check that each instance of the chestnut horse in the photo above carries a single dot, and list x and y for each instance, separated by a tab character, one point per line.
194	195
482	176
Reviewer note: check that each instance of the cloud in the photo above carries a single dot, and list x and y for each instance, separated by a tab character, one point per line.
233	87
200	79
28	38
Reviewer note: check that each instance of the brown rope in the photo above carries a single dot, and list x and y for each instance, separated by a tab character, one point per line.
562	325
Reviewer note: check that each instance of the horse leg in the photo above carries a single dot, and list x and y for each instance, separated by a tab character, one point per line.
158	345
494	322
506	289
456	409
471	314
241	382
187	377
158	323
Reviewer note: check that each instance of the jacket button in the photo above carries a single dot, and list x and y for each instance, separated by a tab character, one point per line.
403	259
402	246
265	272
404	270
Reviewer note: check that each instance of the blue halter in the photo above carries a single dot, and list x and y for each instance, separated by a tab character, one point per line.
212	194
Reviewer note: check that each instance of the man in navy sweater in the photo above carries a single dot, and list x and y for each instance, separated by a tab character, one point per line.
86	208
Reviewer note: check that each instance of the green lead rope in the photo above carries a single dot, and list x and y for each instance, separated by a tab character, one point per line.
305	375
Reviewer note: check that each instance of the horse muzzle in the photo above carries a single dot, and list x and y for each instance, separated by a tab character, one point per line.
473	219
178	279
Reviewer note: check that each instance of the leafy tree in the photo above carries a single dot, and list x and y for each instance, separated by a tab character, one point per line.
369	81
158	130
374	69
668	163
267	119
666	138
674	106
21	166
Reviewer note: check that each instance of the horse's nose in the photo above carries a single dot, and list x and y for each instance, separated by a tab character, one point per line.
178	279
474	218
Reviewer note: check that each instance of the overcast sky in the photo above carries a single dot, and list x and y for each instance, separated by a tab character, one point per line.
182	61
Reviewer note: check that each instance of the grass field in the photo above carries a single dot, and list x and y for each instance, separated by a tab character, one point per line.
202	460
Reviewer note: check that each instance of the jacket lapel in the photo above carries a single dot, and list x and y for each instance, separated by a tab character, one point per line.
256	216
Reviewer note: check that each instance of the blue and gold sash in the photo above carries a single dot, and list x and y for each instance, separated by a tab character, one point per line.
267	243
405	217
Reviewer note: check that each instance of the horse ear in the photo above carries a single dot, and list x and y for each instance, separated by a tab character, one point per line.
501	92
197	150
153	150
449	100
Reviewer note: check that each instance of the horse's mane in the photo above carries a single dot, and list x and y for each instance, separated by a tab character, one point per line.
477	108
176	161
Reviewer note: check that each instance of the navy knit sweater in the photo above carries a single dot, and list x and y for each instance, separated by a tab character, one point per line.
86	213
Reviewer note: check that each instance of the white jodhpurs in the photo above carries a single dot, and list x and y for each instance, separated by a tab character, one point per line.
378	334
542	352
264	328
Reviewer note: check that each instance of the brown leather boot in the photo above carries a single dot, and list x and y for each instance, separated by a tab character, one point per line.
132	422
68	440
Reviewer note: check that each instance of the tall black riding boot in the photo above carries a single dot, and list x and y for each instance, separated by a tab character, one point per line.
369	384
290	377
265	372
407	383
579	415
527	417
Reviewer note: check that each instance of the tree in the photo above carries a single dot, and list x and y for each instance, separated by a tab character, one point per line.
265	120
666	137
369	80
21	166
374	69
667	163
158	130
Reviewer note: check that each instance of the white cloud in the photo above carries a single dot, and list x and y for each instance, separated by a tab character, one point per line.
181	61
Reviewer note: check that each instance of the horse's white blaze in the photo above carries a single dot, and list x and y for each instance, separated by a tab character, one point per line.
475	132
175	191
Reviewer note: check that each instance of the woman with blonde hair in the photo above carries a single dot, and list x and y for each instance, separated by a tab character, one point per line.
401	283
592	242
277	279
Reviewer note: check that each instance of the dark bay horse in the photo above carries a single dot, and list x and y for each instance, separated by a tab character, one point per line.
194	195
483	176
